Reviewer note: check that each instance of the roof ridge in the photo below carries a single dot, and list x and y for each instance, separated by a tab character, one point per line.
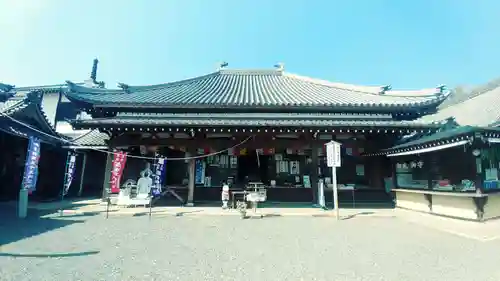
40	87
78	87
197	78
250	71
170	84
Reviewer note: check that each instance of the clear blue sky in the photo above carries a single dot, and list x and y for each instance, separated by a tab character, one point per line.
406	43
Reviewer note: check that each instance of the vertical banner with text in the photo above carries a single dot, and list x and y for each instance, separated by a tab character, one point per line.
159	175
119	160
31	166
70	171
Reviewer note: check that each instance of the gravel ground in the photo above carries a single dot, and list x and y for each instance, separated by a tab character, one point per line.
228	248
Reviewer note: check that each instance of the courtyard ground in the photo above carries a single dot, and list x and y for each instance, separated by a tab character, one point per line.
388	245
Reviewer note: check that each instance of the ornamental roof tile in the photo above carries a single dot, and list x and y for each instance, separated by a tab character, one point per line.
256	89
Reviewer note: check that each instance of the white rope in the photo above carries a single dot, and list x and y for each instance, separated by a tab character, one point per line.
128	156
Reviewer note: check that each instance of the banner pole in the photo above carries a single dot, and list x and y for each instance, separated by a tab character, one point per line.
155	184
107	207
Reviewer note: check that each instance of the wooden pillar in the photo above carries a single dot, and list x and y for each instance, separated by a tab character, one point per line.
82	174
314	172
394	173
430	171
191	176
107	175
191	183
479	163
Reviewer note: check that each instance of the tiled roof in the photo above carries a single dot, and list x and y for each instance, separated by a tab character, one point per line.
51	102
256	89
249	119
91	139
480	110
18	94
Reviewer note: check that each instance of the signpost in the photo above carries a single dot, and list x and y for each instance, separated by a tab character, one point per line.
334	160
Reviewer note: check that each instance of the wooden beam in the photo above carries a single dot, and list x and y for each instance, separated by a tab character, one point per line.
251	142
399	130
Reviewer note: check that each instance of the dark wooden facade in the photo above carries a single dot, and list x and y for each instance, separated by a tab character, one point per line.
22	116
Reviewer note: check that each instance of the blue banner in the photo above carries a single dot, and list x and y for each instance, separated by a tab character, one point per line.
31	166
70	171
159	176
199	173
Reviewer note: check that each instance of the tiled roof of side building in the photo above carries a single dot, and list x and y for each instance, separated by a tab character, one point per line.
257	89
443	137
480	110
94	138
20	112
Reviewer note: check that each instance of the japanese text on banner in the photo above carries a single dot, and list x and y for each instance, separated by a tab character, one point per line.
70	171
31	166
159	176
120	158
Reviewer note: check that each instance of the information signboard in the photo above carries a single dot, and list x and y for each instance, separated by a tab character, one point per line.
333	154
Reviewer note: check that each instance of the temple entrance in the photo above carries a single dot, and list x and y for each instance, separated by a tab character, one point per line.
253	168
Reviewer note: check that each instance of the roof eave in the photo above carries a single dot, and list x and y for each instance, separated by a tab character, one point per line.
462	133
117	107
113	123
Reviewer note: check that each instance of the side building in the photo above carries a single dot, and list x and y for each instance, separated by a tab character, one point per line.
42	112
455	170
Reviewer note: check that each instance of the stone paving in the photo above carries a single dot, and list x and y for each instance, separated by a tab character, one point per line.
166	247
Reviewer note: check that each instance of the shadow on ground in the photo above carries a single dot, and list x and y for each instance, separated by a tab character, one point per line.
13	229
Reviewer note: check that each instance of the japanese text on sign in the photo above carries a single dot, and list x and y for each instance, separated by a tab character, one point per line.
333	154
